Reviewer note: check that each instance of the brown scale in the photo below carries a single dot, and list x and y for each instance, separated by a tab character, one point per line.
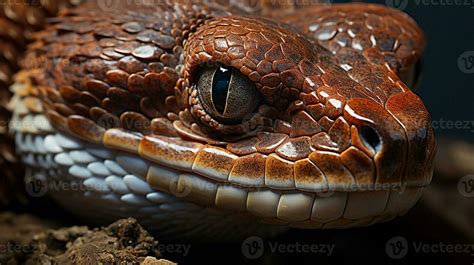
330	92
18	21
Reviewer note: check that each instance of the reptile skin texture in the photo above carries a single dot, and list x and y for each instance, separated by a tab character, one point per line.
17	24
325	132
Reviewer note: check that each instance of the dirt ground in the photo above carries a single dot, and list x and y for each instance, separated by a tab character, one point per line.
25	239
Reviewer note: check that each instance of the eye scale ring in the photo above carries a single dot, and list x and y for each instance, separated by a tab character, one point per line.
226	94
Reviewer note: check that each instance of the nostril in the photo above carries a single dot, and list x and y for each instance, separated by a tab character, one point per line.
370	137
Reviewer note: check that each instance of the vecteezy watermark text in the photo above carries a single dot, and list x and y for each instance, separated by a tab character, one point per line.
443	124
254	247
253	5
180	249
38	185
398	248
11	248
403	4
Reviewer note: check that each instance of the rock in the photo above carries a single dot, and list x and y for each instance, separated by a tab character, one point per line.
155	261
30	241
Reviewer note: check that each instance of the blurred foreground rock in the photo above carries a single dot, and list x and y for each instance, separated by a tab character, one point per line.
27	240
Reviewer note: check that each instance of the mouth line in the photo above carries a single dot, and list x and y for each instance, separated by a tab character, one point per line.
151	148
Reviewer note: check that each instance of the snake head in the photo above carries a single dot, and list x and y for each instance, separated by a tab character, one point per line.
306	120
307	125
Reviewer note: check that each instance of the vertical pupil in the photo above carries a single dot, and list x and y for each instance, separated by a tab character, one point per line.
220	87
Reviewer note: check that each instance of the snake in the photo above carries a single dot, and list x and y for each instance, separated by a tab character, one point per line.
212	119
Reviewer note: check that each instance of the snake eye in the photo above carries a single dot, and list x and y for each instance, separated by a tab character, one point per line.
226	94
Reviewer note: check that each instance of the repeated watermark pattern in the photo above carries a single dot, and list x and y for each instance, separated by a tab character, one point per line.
399	4
14	248
466	62
39	186
182	188
175	249
466	186
403	4
253	5
442	124
398	248
109	5
36	187
254	247
36	3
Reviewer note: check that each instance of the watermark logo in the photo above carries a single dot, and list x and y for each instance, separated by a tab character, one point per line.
466	62
397	247
466	186
254	4
108	5
35	3
253	247
398	4
325	194
36	186
180	188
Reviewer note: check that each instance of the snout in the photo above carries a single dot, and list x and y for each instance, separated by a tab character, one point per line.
412	114
398	136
